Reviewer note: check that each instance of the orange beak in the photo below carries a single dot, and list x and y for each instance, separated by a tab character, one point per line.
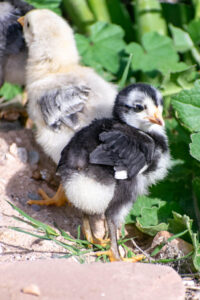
157	118
21	21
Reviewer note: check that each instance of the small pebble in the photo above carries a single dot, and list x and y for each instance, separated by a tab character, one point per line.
33	157
32	289
13	149
36	207
19	152
34	196
22	154
18	140
45	175
22	200
189	282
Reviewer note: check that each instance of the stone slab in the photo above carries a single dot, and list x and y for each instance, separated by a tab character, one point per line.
59	279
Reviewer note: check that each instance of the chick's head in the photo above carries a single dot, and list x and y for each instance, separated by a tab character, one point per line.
140	105
49	38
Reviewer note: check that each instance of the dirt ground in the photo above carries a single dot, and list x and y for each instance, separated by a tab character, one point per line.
21	159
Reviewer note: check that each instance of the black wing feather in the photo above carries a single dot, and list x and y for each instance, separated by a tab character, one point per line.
117	149
60	106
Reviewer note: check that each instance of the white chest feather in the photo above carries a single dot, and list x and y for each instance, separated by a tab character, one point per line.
87	194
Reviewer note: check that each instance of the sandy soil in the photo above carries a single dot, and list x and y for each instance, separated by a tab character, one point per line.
16	186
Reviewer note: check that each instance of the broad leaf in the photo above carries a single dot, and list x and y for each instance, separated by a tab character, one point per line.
187	106
8	91
49	4
193	29
102	47
153	53
182	39
195	145
179	223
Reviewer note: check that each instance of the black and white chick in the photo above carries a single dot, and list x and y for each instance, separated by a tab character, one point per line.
107	164
13	51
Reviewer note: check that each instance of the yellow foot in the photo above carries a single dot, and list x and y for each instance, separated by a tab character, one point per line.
58	199
134	258
102	242
109	253
89	235
114	257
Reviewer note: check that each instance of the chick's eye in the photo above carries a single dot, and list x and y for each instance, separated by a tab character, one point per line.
138	108
28	24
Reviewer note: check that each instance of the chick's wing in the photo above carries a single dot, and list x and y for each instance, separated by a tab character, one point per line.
122	152
60	106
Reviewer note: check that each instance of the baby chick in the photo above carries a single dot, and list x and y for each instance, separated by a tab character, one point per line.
107	164
13	52
63	96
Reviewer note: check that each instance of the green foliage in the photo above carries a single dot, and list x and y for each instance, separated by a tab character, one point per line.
151	214
187	106
153	53
195	145
102	47
185	222
9	91
49	4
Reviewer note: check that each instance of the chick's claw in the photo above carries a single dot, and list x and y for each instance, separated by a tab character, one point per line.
59	199
110	253
114	257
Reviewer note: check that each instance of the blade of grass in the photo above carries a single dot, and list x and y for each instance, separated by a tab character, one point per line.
167	260
37	223
43	237
79	232
67	237
177	235
125	73
24	221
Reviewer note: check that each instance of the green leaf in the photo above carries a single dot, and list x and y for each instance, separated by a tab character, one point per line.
145	202
182	40
152	230
185	222
194	32
195	146
187	106
125	73
8	91
152	54
103	46
49	4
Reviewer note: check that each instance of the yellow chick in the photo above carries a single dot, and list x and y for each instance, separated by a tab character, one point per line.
63	96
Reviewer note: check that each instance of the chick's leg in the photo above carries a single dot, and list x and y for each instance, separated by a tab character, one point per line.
113	252
87	231
58	199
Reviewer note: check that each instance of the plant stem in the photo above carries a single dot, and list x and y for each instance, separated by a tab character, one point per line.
196	4
100	10
148	14
80	14
119	15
